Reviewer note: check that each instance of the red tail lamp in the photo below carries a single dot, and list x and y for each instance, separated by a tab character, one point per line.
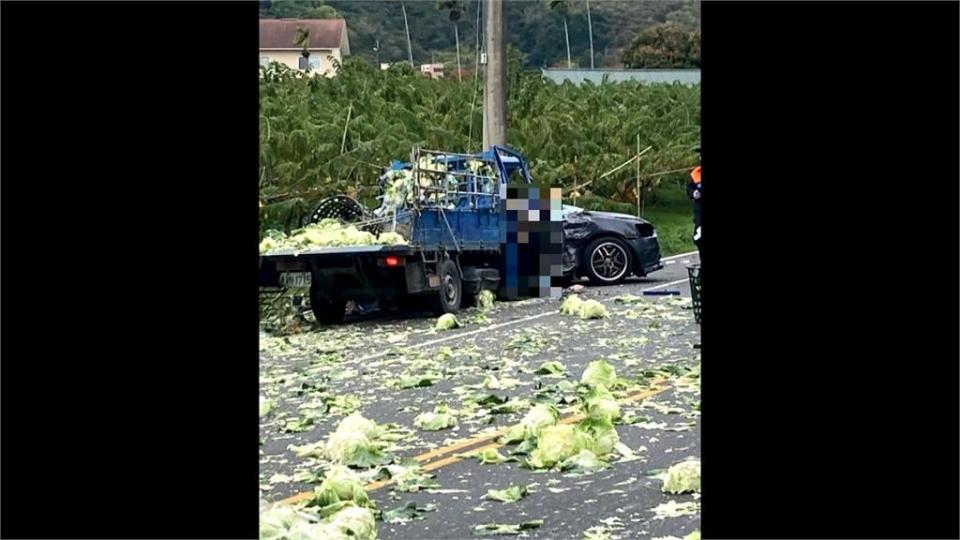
392	261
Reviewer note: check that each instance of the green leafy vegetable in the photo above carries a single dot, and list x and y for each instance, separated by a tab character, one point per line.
599	372
441	418
551	367
537	418
600	404
571	305
591	309
508	495
408	512
340	485
682	477
348	522
447	321
265	406
584	461
555	444
485	299
491	529
487	456
355	443
328	233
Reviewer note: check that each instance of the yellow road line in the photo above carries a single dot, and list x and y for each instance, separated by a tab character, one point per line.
300	497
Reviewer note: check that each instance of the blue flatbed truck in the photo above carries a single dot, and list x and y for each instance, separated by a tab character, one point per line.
451	222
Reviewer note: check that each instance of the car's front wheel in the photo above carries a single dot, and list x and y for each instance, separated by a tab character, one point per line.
607	260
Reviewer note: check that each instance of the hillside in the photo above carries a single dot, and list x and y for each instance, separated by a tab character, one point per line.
531	27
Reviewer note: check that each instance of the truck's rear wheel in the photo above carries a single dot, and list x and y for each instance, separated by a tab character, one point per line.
327	311
451	289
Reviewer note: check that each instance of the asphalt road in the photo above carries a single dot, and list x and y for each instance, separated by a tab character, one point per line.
359	361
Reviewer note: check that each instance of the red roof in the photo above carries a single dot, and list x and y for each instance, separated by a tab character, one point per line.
324	33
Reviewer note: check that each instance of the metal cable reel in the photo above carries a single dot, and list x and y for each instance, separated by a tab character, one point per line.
345	210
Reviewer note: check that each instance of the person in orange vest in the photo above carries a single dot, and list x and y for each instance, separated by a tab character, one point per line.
693	191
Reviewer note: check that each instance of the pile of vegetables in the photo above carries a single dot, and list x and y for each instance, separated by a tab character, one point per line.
584	446
328	233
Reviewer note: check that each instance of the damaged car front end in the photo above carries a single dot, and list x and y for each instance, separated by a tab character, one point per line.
608	247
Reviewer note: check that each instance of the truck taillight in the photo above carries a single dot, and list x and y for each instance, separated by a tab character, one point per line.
392	261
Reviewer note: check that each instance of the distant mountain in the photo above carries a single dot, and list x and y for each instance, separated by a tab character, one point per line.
531	27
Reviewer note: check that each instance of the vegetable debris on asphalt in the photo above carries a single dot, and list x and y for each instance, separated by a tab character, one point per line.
552	402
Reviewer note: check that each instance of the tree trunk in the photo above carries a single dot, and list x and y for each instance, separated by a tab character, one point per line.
456	35
496	113
590	27
407	27
567	34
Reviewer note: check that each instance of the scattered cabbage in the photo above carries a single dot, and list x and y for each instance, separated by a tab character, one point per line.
265	406
682	477
440	418
551	367
284	522
338	486
355	523
555	444
585	309
486	456
357	422
354	443
591	309
511	494
275	522
600	404
485	299
585	461
571	306
447	321
601	436
537	418
599	372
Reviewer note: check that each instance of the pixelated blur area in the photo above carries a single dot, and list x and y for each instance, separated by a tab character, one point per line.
531	236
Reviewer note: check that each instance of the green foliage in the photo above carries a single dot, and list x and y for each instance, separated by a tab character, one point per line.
531	27
664	46
570	134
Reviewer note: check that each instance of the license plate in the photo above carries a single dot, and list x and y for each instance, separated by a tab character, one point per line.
295	279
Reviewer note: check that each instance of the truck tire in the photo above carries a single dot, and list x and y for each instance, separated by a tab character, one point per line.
450	295
607	261
327	311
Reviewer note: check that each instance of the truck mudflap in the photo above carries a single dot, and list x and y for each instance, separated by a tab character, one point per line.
476	279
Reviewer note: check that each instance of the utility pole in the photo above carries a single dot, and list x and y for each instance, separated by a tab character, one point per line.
407	27
495	95
590	27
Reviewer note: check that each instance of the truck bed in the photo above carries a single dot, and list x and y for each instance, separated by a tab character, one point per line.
399	249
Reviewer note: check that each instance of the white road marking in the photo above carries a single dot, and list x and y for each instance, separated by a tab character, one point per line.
500	325
678	255
677	282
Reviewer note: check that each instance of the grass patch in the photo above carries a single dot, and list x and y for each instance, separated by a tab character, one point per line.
672	215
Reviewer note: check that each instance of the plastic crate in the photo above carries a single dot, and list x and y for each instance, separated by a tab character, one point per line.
694	272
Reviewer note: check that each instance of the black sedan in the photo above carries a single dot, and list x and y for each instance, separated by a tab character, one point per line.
607	247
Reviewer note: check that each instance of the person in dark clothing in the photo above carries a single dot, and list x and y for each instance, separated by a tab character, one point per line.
694	192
